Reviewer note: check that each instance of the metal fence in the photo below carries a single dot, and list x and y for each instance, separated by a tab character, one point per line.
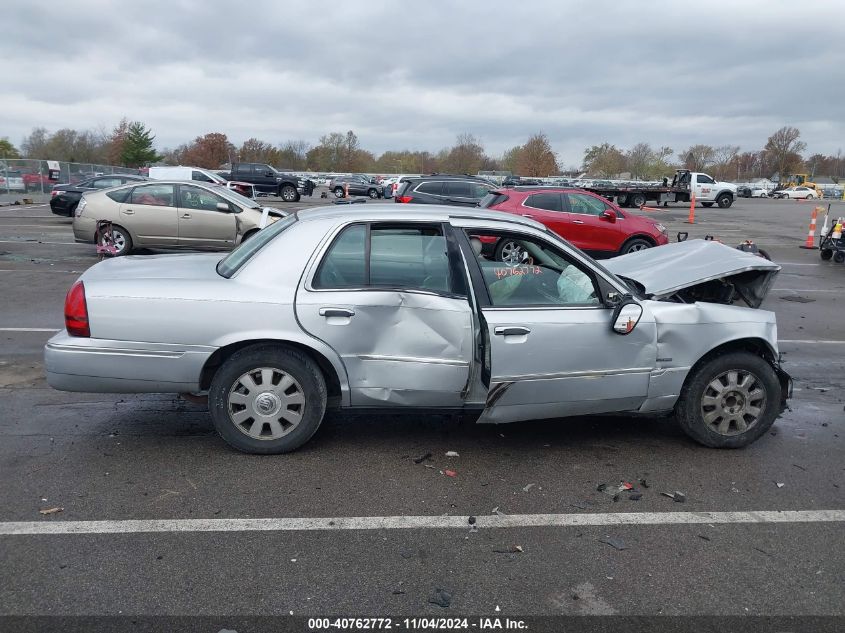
21	176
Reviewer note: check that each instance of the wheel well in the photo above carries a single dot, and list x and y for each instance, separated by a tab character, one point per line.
756	346
645	238
221	355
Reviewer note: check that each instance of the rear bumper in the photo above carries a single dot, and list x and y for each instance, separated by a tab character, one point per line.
106	366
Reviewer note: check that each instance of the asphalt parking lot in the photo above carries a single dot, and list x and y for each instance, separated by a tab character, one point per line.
156	459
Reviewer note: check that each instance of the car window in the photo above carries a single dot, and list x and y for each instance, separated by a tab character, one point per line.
458	189
547	201
479	190
344	264
492	199
120	195
191	197
585	204
259	170
433	188
537	274
705	179
409	257
198	175
104	183
401	256
154	195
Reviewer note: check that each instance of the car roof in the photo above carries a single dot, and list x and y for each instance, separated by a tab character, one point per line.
410	213
447	177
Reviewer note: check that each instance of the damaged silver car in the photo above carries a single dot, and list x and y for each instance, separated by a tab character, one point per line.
385	310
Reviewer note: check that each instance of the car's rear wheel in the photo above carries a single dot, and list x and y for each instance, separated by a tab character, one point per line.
839	257
729	401
267	399
634	245
372	193
338	192
622	201
509	251
289	193
636	200
121	240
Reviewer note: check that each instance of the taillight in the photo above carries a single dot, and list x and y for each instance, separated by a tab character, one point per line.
54	193
403	198
76	311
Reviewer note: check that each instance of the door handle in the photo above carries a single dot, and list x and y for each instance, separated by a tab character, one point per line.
128	212
336	312
527	215
514	330
577	222
186	215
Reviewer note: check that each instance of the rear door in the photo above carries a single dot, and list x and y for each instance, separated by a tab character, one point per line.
590	232
391	300
150	215
201	223
465	193
548	209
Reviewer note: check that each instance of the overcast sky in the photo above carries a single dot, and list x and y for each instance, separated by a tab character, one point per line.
415	74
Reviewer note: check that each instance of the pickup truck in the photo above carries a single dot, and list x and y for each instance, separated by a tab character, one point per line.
266	178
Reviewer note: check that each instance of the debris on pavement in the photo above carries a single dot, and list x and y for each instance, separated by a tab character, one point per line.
635	496
511	549
528	487
779	485
472	520
799	467
797	299
703	537
450	473
441	598
614	542
452	454
51	510
643	482
422	458
678	497
497	512
430	466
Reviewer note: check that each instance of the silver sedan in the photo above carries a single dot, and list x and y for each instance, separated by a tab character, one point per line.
386	310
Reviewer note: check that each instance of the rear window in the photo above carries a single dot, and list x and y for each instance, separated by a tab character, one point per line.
235	260
432	188
492	199
120	195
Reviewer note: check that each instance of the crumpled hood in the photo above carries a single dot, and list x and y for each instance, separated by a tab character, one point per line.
666	270
157	267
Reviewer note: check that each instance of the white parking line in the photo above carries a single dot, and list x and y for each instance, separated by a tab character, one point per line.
831	290
811	342
28	329
23	270
13	528
40	242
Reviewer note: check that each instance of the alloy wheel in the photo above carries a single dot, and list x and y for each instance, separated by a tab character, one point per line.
266	403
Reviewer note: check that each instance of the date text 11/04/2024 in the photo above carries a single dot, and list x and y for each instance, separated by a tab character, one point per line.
435	624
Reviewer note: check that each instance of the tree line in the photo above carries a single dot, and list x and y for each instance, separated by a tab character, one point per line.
131	144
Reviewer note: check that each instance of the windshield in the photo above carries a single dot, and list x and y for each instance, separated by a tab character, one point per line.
230	264
235	197
619	281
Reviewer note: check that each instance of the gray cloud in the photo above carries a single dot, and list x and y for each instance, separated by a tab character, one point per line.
415	75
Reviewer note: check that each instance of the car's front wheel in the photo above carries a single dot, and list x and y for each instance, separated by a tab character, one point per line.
729	401
267	399
634	245
288	193
724	201
338	192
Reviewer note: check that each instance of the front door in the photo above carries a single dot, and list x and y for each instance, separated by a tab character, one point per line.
391	301
150	214
552	350
593	232
201	223
705	187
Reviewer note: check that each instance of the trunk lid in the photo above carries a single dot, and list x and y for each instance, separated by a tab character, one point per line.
156	267
698	270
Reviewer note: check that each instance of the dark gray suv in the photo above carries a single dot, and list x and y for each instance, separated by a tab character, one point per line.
358	186
463	191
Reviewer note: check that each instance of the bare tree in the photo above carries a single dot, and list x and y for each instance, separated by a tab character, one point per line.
536	157
784	148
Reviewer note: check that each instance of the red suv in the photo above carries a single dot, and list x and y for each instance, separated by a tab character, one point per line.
589	221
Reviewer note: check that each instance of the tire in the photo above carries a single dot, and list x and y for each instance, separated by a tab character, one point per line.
288	193
826	254
707	204
724	200
764	254
839	257
372	193
508	251
275	420
809	197
718	402
122	240
636	200
635	244
338	192
622	201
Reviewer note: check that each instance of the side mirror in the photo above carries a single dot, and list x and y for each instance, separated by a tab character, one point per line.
626	316
608	215
222	206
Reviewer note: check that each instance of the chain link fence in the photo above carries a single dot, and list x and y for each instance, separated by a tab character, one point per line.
31	178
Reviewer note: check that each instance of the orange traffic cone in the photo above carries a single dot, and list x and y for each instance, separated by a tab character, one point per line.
691	218
811	234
